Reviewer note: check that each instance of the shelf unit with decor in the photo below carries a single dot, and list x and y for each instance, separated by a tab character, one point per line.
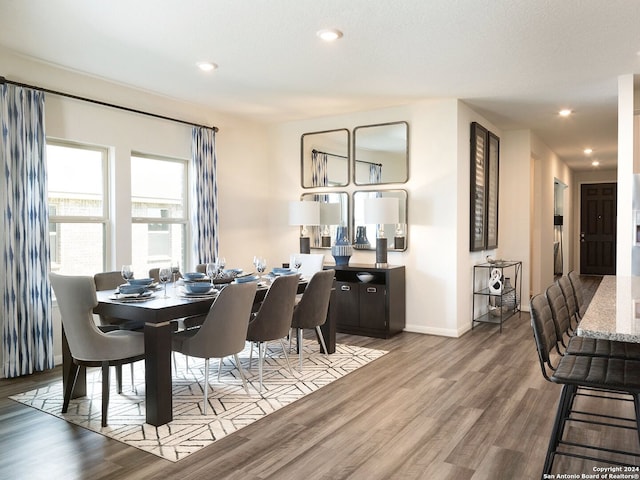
376	308
502	304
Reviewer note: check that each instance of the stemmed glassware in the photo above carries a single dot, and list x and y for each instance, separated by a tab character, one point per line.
296	262
164	275
127	272
220	264
261	265
175	271
211	270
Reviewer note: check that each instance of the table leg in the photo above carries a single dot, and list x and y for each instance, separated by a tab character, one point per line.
159	397
80	388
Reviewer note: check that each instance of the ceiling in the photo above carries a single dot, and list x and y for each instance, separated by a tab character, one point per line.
517	62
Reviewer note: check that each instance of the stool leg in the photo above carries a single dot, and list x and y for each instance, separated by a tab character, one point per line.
564	405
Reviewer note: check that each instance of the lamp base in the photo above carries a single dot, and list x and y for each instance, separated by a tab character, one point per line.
381	251
305	245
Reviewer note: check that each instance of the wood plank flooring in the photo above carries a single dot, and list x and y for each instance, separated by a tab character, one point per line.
476	407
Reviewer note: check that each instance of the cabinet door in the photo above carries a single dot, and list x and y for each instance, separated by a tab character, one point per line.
373	312
347	305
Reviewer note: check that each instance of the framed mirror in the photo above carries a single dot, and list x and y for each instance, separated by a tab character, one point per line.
334	211
365	233
381	153
325	158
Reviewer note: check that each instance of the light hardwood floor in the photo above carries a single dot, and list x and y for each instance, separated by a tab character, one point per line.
476	407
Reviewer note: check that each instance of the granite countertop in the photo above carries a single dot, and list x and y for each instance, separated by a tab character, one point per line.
614	311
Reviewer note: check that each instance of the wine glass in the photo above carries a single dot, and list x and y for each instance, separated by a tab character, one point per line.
164	275
261	265
211	269
297	262
127	272
221	262
175	271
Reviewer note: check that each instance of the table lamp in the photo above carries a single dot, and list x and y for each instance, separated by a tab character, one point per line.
381	211
329	215
304	213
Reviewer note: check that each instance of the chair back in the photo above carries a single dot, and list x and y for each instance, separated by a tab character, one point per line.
311	310
544	331
559	311
76	297
224	331
569	296
581	303
273	319
107	280
310	263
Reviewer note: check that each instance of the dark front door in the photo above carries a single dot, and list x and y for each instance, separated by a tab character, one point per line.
598	229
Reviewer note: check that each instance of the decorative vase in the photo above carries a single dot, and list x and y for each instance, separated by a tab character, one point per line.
509	299
361	238
495	281
342	249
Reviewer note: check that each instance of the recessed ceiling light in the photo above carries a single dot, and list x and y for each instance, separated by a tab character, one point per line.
588	151
565	112
207	66
595	163
329	35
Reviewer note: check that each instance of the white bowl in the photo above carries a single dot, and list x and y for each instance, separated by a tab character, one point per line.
365	277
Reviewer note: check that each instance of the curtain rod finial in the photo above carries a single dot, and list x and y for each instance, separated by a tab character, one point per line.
2	80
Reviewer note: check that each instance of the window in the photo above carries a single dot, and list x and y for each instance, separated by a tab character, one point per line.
78	212
158	211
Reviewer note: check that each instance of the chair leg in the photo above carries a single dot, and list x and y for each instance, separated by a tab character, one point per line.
564	405
205	387
133	385
105	391
72	376
324	347
244	380
286	357
261	353
219	368
119	378
300	347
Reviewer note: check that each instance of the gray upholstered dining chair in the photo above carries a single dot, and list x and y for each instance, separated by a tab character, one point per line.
89	346
273	319
311	310
223	333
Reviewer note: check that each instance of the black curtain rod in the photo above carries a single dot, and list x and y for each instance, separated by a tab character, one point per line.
104	104
342	156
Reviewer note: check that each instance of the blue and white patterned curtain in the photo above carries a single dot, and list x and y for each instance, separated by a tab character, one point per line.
204	194
27	333
375	173
319	174
319	178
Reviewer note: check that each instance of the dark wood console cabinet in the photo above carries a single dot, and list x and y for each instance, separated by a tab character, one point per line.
373	309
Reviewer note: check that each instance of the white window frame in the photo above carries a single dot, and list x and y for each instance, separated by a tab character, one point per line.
103	219
184	221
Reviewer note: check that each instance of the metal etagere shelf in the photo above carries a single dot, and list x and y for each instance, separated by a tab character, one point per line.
496	306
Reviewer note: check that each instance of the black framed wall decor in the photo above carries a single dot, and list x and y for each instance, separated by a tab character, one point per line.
485	156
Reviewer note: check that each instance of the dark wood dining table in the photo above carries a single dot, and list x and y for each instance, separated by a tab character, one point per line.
158	313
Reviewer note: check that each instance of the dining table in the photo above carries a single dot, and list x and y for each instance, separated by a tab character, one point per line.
159	314
614	311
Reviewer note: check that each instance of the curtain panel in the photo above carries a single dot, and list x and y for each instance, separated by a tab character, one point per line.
204	195
27	332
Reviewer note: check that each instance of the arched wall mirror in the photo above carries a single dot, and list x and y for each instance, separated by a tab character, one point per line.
365	233
325	158
381	153
334	211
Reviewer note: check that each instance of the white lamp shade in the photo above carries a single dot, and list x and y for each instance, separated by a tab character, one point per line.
381	210
330	214
304	213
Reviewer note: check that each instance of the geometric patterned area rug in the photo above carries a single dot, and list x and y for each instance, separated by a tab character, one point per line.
229	407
